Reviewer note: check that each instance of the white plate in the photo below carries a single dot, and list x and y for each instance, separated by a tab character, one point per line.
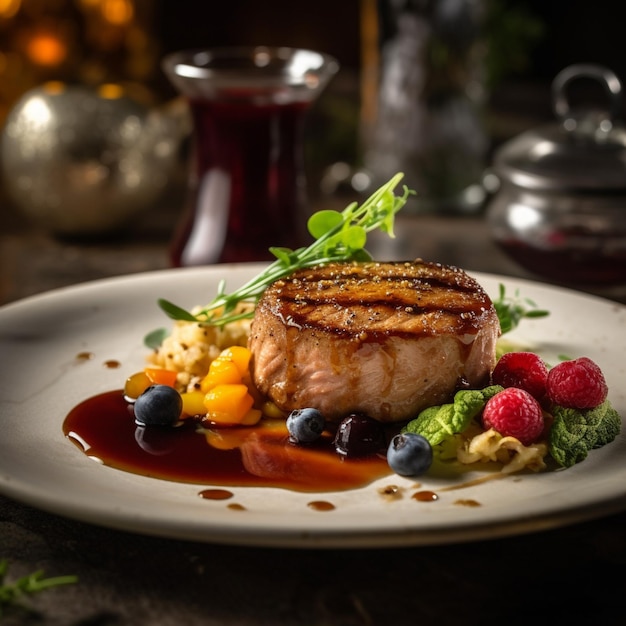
42	380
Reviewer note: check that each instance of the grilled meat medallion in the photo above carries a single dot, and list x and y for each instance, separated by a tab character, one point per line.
383	339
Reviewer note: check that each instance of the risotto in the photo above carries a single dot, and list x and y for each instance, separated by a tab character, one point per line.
191	347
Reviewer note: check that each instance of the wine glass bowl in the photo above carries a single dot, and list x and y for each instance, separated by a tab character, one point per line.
247	179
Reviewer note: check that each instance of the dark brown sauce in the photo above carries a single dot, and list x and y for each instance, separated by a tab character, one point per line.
104	428
216	494
321	505
476	481
425	496
469	502
390	492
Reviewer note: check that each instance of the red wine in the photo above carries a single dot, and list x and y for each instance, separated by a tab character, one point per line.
247	191
598	265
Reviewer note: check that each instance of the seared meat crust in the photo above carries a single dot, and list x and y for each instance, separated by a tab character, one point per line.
384	339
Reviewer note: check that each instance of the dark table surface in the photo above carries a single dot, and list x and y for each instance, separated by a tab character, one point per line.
559	575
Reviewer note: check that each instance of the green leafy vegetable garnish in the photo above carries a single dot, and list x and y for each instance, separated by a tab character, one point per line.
339	236
511	310
575	432
437	423
13	594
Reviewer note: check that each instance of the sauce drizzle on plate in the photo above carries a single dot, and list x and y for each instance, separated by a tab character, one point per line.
103	427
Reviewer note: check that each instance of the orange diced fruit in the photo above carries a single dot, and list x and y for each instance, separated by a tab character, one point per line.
221	372
159	376
193	403
239	355
135	385
252	417
270	410
228	403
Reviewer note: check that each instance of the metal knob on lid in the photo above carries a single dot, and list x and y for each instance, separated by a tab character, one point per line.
561	104
585	150
561	207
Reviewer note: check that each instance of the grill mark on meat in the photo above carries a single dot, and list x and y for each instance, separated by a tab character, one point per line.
385	339
426	298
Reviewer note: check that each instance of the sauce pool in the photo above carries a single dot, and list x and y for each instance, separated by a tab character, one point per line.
104	428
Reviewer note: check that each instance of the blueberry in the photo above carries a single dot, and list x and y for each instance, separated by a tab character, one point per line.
409	454
158	405
305	425
359	435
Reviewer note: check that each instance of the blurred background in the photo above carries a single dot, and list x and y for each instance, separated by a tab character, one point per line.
522	45
483	68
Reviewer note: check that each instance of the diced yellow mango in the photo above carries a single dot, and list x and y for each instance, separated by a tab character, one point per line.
271	410
159	376
221	372
228	403
252	417
193	403
135	385
239	355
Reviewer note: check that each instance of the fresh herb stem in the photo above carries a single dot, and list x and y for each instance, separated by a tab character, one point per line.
512	310
339	236
12	594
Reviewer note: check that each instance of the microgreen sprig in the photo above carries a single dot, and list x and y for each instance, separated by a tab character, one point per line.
512	309
339	236
12	594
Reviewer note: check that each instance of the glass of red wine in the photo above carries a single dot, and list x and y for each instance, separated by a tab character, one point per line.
247	181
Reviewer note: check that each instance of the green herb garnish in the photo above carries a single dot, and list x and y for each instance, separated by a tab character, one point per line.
575	432
339	236
155	338
511	310
437	423
13	594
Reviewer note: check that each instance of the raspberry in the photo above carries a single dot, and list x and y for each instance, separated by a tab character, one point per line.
525	370
514	413
577	384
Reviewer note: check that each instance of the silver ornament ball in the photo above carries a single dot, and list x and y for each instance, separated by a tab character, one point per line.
85	161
